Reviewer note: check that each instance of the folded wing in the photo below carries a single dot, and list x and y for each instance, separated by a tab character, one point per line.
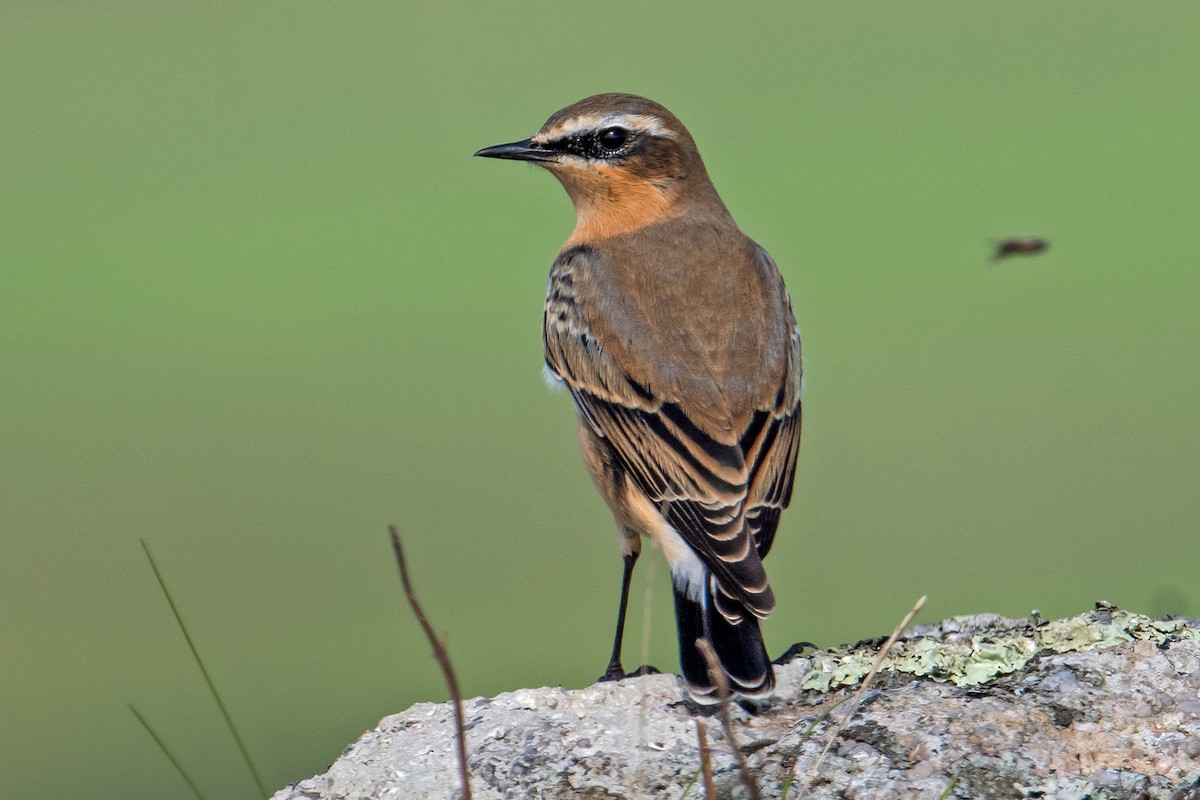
720	490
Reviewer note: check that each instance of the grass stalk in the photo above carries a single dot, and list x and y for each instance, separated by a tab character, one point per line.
811	775
718	676
212	688
443	660
166	752
710	789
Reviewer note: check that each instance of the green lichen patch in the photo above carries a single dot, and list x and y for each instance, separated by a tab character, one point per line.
969	651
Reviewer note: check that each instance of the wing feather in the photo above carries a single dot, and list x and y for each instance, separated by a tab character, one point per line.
721	496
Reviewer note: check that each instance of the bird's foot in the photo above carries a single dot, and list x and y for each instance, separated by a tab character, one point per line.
754	705
794	652
616	672
644	669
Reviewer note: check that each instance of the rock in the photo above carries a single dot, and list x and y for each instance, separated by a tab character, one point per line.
1103	705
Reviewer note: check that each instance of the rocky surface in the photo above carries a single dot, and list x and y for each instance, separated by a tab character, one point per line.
1104	705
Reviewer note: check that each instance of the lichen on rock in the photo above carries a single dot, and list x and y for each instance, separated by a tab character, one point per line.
968	651
1105	705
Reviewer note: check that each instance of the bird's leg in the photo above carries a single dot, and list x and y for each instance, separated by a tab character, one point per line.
794	652
615	671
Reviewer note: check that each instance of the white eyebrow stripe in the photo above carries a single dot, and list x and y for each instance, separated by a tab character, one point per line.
639	123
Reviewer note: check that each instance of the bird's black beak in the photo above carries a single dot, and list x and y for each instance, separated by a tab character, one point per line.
524	150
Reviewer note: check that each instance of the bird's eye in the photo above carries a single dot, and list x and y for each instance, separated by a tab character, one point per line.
612	139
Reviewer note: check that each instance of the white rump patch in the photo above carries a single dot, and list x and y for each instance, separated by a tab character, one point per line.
687	570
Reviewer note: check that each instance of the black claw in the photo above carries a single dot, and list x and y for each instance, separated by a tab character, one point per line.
794	652
754	705
644	669
697	709
614	673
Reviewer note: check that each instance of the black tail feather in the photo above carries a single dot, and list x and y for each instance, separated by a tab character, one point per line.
689	618
739	648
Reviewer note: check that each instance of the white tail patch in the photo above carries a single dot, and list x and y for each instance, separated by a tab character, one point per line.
688	572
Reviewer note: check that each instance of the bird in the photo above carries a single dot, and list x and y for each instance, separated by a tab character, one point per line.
1019	245
675	335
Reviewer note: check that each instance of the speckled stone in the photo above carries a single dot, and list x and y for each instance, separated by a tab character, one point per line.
1102	706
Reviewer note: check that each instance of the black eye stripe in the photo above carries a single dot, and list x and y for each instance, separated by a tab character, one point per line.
607	143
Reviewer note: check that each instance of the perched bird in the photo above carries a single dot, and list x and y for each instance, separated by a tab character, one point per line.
1019	245
675	335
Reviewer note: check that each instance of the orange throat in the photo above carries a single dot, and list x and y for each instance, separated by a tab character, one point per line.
610	201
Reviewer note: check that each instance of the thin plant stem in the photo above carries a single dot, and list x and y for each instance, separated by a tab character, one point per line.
170	756
258	781
687	787
821	718
949	788
443	659
718	676
710	790
824	715
858	696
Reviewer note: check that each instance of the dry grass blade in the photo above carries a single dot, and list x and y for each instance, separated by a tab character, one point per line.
949	788
212	687
710	790
166	752
811	775
824	715
439	653
718	676
647	606
687	787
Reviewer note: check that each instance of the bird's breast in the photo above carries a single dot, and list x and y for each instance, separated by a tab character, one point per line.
610	201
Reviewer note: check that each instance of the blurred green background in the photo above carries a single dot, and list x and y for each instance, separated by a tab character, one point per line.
257	301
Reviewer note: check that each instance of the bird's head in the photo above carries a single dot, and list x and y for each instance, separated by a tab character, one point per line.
625	161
